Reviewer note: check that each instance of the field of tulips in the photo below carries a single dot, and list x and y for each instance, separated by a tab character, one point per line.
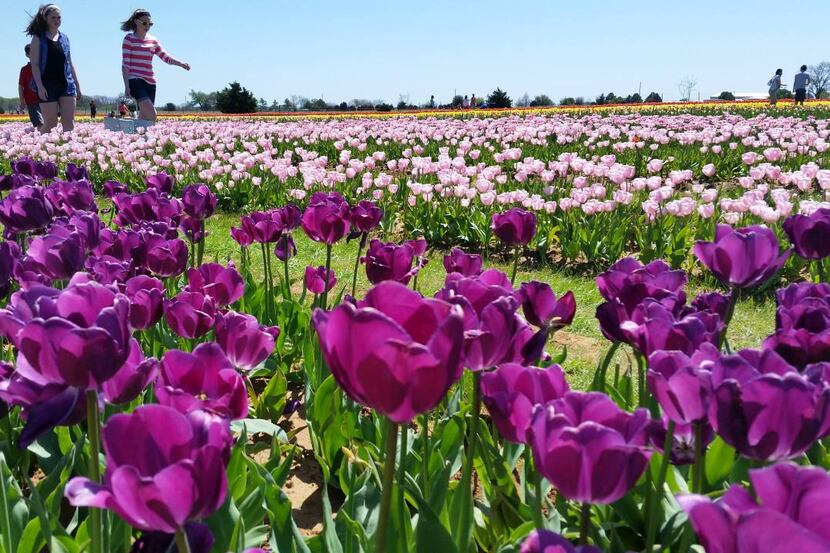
154	393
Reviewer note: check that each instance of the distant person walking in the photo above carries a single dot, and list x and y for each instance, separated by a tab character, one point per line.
800	84
93	109
465	103
28	97
137	52
53	73
473	101
432	102
774	86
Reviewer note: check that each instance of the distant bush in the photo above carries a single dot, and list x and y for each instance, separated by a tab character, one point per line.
726	95
236	99
383	107
653	98
499	99
169	106
541	100
784	94
567	101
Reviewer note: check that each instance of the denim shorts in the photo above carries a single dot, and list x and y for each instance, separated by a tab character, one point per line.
35	116
142	90
56	90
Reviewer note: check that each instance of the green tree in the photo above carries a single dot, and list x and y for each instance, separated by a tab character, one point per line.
499	99
169	106
541	100
653	98
726	95
205	101
784	94
457	101
235	98
567	101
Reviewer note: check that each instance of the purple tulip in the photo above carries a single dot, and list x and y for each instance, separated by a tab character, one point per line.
241	237
204	379
149	205
43	406
542	308
681	383
71	196
545	541
199	539
808	234
25	305
763	407
802	334
263	226
788	512
224	284
315	279
25	208
9	252
478	291
366	216
132	378
627	283
113	187
285	248
512	391
75	173
588	448
389	261
514	227
26	166
683	440
80	338
164	468
146	296
712	302
190	314
742	258
497	336
326	219
198	201
193	229
162	182
468	264
395	352
655	327
245	342
167	258
58	257
291	216
107	269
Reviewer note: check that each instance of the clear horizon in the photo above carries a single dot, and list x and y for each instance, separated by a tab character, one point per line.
379	50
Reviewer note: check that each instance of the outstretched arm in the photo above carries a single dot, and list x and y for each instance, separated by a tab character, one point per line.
170	60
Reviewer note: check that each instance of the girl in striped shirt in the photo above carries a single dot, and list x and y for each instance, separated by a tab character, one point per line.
138	50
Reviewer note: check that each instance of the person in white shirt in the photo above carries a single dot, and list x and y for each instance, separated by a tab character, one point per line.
774	86
800	84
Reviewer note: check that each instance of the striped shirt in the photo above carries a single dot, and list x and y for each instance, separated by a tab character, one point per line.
137	55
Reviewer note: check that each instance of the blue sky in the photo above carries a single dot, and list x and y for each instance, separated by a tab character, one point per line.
381	49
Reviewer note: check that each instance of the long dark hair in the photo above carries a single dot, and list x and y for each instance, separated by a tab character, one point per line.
38	24
129	24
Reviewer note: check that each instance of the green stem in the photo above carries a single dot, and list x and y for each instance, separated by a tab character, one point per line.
285	270
265	281
697	481
585	523
181	542
658	489
94	435
402	472
730	310
325	299
602	370
641	379
516	255
357	263
388	482
465	533
425	457
536	505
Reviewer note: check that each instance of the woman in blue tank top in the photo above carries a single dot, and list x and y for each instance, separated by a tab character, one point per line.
53	74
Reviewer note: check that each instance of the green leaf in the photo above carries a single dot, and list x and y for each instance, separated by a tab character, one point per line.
14	512
32	539
720	458
259	426
330	539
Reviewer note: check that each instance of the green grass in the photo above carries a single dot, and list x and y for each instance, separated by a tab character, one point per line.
753	320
